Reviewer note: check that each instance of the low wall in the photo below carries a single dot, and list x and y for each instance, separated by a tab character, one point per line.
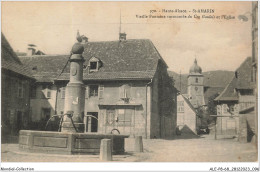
68	143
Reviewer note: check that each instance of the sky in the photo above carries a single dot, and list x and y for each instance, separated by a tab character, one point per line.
218	44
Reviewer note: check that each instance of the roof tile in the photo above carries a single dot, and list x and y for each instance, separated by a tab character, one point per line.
130	59
242	80
10	61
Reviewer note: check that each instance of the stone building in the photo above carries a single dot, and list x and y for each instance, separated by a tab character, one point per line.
127	88
15	101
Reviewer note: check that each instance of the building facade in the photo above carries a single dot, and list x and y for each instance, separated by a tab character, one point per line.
16	81
128	89
255	60
187	118
239	96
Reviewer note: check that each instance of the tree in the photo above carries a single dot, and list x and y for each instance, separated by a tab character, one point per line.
212	108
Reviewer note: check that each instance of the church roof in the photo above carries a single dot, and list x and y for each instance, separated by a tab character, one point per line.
195	68
128	59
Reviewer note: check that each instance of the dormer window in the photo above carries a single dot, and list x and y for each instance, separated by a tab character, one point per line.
94	64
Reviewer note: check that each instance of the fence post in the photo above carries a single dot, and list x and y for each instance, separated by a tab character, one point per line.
106	150
138	144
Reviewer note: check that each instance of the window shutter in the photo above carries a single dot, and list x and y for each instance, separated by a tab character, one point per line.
101	91
125	91
128	91
63	91
48	92
16	84
23	89
87	92
121	92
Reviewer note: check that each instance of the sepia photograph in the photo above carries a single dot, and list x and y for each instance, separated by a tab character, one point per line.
105	83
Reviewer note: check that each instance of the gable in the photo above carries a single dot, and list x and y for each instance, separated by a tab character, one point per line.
187	103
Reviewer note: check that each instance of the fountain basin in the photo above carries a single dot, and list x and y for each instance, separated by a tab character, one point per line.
68	143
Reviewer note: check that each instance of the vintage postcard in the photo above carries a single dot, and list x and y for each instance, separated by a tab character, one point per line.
129	82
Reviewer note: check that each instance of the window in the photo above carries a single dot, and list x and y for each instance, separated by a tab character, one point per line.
125	91
101	91
8	89
46	91
110	116
46	114
33	92
63	92
246	92
93	90
196	80
180	106
124	117
20	92
231	108
93	65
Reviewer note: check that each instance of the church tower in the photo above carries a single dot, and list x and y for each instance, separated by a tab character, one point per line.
195	85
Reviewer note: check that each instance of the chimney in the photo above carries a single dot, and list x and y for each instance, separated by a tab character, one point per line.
84	39
31	50
122	36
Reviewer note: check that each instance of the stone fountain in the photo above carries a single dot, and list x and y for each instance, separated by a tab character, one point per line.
71	139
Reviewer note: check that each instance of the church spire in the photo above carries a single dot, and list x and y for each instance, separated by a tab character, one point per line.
195	68
195	61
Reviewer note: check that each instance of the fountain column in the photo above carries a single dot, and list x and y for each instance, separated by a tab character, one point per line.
75	92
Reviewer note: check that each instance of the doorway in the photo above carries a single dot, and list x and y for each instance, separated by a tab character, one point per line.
92	122
19	122
125	121
46	114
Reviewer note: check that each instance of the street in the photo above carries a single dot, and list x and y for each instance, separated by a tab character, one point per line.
201	149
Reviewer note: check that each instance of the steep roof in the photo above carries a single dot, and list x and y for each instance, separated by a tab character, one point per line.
241	80
210	91
129	59
10	61
189	103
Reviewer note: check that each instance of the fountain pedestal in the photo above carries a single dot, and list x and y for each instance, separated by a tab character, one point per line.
71	139
75	95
